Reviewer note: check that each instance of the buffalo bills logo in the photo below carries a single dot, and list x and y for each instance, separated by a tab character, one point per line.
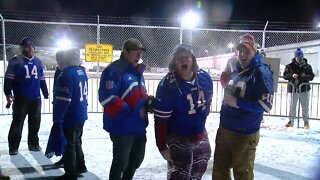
109	84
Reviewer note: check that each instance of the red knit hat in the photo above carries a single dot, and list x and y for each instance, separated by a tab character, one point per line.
247	40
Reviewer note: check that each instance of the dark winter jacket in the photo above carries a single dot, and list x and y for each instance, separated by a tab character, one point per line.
304	72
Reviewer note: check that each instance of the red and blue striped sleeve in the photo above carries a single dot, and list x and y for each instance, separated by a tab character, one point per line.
163	109
163	106
108	90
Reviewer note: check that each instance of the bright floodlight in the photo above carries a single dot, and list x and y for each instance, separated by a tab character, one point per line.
190	20
64	43
318	25
230	45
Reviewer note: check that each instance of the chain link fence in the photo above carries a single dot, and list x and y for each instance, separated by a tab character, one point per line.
45	34
274	38
212	42
158	40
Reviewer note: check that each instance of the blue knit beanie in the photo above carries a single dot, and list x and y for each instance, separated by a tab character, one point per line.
298	53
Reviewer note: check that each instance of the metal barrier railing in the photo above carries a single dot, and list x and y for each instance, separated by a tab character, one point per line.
281	101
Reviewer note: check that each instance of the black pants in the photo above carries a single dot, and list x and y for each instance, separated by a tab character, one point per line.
128	154
21	108
73	155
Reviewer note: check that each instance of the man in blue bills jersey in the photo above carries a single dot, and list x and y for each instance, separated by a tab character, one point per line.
70	109
181	108
123	95
23	80
247	96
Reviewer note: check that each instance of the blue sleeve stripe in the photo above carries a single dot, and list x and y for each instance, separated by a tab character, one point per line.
129	89
162	112
106	101
264	106
63	98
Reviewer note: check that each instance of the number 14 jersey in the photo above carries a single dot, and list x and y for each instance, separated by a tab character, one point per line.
26	75
184	105
71	97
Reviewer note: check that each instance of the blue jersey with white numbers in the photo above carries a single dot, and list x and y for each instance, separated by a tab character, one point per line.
71	94
24	76
253	88
184	105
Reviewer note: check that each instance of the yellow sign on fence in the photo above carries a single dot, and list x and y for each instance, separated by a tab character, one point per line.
98	53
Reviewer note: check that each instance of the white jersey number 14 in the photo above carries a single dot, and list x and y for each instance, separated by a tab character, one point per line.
200	103
34	72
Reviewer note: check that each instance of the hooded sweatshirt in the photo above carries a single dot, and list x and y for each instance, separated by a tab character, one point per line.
71	90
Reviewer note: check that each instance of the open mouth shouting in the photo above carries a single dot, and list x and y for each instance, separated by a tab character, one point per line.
243	59
184	67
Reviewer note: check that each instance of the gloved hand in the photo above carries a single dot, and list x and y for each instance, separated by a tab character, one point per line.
230	100
149	103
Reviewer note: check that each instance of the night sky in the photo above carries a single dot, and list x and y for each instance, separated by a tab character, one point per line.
302	11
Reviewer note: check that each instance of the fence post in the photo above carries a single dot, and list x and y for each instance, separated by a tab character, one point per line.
191	36
264	35
181	34
98	40
3	45
300	87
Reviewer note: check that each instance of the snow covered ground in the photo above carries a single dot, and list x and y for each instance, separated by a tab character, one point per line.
283	153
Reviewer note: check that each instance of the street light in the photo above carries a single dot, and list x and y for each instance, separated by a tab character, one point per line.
63	43
189	20
318	25
230	46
